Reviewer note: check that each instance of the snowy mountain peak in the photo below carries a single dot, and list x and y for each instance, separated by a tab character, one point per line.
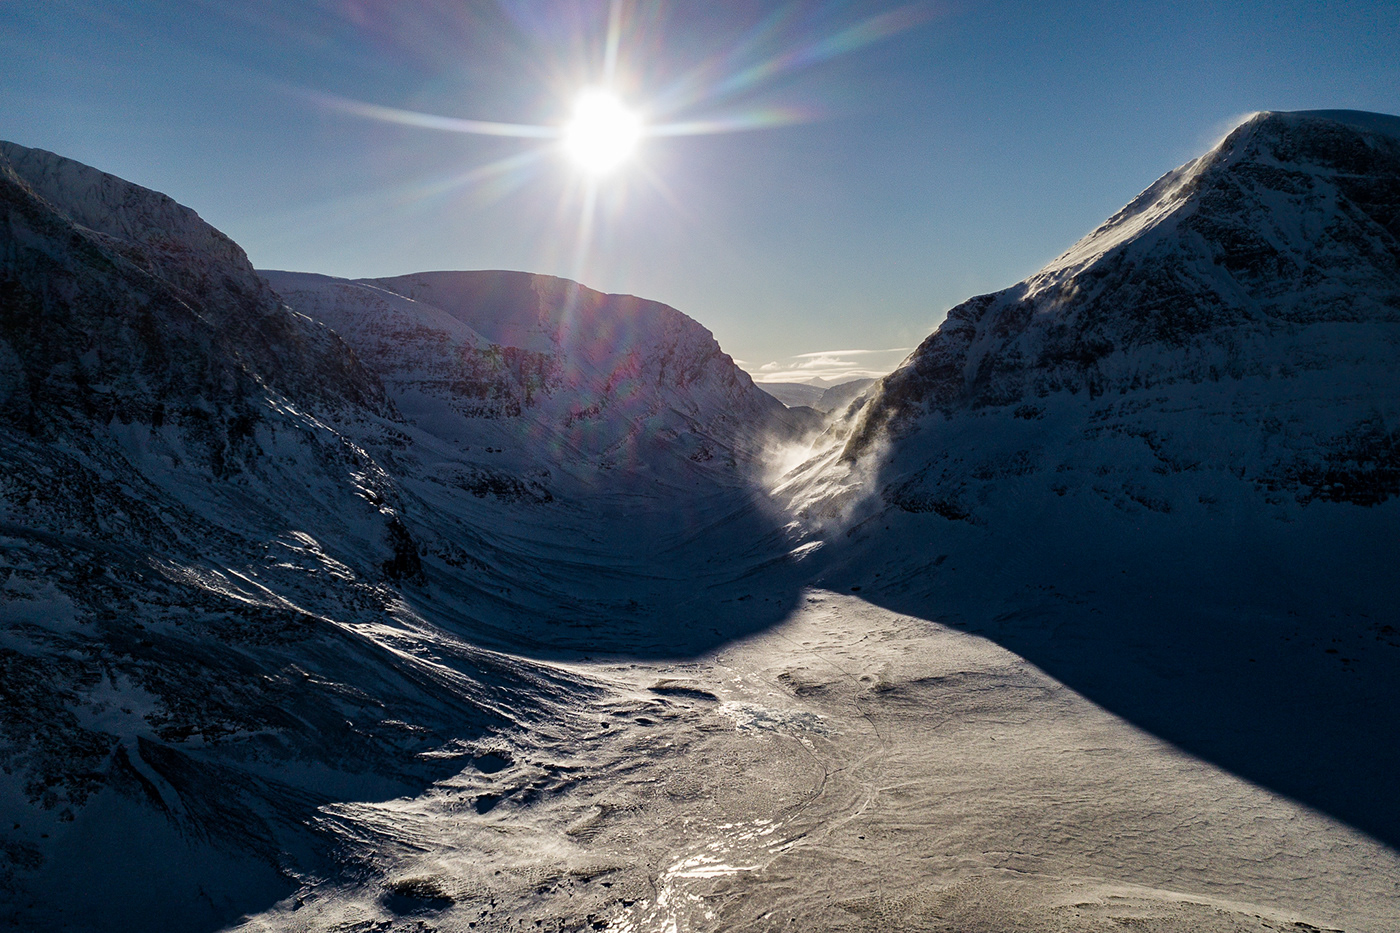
547	314
1263	276
1292	218
1319	143
167	233
600	373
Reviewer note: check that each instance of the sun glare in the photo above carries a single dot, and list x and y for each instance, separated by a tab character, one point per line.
602	133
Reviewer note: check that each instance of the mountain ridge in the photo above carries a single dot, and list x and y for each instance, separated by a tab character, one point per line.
1257	263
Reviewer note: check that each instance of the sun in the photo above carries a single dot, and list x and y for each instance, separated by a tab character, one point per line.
602	134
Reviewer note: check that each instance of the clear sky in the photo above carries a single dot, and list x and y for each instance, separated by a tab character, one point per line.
885	160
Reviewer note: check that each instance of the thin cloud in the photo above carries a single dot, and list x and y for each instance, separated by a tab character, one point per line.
829	367
799	356
833	377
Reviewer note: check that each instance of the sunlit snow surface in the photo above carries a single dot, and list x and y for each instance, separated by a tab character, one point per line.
910	776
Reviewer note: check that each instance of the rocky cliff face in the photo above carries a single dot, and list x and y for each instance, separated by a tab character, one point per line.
81	241
1240	318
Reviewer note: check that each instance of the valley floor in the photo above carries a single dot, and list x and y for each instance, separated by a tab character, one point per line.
848	769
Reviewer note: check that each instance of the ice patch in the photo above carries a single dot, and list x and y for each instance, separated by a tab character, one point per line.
748	716
738	850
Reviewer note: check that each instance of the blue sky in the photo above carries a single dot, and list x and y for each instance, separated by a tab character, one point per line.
921	153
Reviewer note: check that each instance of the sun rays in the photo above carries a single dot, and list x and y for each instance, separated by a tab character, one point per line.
600	136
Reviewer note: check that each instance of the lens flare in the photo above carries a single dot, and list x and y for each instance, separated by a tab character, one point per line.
602	133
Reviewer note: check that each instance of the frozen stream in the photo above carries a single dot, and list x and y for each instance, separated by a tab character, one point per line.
851	769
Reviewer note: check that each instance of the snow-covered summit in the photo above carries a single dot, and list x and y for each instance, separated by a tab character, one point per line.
1313	143
604	375
181	246
1240	318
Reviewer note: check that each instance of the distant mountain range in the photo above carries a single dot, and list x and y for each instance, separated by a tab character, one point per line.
823	398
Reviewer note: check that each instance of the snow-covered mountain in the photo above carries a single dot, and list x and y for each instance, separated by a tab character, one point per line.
203	634
1166	468
611	378
1239	321
247	567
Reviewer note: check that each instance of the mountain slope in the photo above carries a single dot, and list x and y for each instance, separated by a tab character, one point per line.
1166	468
603	373
203	632
1242	314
